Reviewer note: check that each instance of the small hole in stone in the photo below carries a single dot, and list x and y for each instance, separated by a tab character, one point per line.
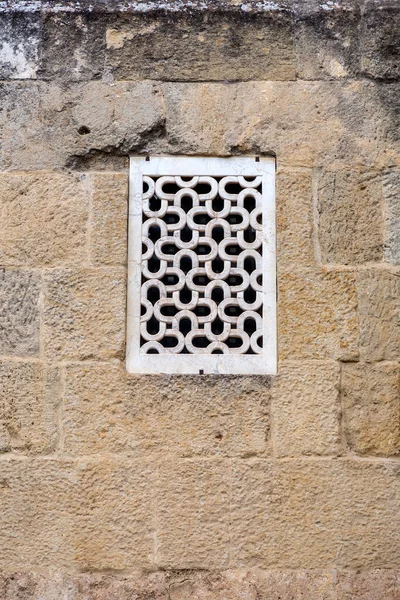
83	130
218	436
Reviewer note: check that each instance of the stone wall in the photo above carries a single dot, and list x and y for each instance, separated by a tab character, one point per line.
206	488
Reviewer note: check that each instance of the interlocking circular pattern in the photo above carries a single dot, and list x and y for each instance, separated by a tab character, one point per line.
201	289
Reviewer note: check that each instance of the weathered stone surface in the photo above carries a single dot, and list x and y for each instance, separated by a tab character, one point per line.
202	46
317	315
89	515
391	194
328	39
84	313
106	410
29	398
294	218
379	308
19	312
108	236
43	220
193	514
306	409
312	513
305	124
20	39
350	211
374	585
246	584
46	125
380	40
371	403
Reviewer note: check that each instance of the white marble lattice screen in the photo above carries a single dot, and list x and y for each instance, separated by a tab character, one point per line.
202	265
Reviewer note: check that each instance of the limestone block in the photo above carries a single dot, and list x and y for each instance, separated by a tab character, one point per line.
391	193
327	39
379	308
43	219
350	213
294	218
317	315
85	515
29	398
20	39
114	522
380	39
306	409
305	124
313	513
79	40
19	312
106	410
84	313
374	585
193	514
48	125
108	235
371	403
202	46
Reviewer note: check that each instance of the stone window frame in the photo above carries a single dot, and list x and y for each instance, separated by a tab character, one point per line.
188	166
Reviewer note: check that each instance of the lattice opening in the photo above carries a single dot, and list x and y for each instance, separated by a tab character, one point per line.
201	280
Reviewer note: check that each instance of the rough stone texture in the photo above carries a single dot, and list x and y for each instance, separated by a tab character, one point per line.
20	38
177	488
350	217
106	410
44	218
374	585
202	47
84	313
19	312
379	308
317	315
306	409
328	41
108	240
294	236
380	56
307	124
29	399
391	191
193	520
48	125
371	406
309	513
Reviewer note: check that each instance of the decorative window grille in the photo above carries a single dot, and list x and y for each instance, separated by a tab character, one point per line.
201	285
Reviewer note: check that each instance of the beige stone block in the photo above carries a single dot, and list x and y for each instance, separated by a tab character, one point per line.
19	312
106	410
84	313
44	217
379	309
29	398
306	124
217	46
374	585
314	513
108	234
193	514
317	315
371	407
391	193
306	409
75	515
350	212
114	526
294	218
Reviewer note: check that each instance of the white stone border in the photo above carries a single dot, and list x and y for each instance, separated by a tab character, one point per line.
245	364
